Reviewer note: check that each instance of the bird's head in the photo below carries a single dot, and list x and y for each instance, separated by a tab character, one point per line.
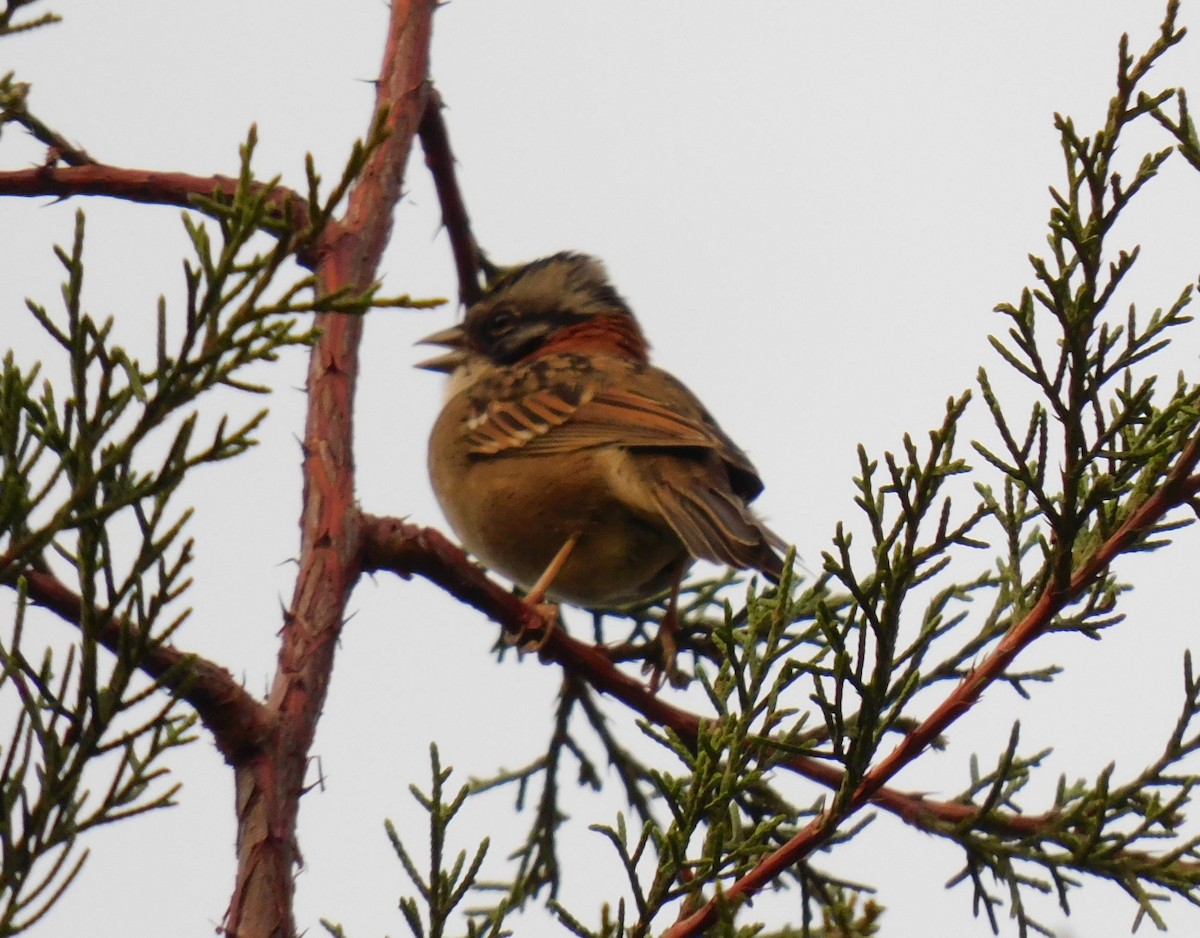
563	303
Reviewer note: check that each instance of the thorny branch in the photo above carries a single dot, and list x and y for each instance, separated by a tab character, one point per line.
146	186
268	743
1173	494
238	722
469	260
268	789
407	549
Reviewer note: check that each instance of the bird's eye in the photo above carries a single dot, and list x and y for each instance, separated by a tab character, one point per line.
501	322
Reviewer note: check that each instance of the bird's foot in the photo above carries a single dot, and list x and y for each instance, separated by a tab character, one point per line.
668	645
664	655
533	635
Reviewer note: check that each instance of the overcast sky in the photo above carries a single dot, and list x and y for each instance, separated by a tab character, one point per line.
813	208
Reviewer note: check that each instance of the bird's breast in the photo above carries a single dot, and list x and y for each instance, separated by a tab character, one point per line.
515	510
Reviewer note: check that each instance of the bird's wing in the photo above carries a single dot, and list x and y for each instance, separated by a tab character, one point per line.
698	477
570	411
713	522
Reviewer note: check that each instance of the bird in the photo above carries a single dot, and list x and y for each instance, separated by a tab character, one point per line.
564	460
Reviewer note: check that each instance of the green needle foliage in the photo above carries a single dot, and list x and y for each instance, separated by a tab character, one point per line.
443	889
80	474
90	473
966	562
807	699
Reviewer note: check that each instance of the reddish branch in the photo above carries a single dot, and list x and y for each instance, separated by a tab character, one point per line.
269	744
139	185
435	142
1176	490
238	722
407	549
269	787
13	109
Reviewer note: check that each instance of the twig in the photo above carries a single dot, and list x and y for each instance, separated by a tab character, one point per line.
1173	492
407	549
13	109
238	722
146	186
269	789
435	141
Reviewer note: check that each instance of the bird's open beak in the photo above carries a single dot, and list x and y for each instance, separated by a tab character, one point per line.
454	339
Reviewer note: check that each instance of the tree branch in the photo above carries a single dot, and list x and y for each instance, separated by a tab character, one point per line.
1174	492
238	722
13	109
147	186
468	258
269	789
407	549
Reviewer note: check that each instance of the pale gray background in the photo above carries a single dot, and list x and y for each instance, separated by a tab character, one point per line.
812	206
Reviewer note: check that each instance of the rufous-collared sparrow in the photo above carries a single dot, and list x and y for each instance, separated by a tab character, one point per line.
567	462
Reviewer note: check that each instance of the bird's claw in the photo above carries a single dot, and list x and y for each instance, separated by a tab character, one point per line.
533	637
